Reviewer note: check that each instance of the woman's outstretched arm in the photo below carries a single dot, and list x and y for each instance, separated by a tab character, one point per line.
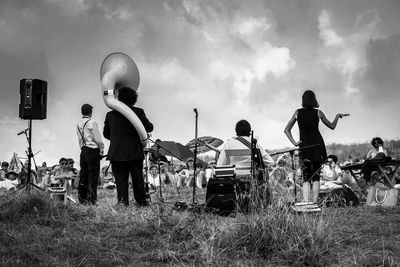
331	125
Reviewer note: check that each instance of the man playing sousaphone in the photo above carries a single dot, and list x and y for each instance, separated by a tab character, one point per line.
126	150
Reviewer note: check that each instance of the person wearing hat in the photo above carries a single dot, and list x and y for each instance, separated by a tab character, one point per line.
126	149
92	147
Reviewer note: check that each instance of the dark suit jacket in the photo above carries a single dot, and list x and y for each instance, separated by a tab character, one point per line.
125	143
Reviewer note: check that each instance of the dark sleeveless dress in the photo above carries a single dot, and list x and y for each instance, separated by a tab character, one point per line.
308	120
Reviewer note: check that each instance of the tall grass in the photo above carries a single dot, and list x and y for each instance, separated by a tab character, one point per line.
37	231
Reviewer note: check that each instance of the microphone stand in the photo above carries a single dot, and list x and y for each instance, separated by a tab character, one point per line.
291	152
146	173
159	172
195	156
252	162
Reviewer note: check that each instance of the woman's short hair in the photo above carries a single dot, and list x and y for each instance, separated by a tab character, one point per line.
243	128
377	140
309	100
127	95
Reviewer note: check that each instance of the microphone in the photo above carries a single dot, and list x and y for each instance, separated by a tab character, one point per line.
23	131
195	111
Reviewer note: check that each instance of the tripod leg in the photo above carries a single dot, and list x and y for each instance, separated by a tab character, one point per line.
38	187
18	189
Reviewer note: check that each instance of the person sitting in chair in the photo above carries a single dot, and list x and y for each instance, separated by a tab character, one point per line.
73	182
279	173
331	170
7	178
187	174
3	170
331	174
377	144
23	175
61	175
242	162
164	172
154	178
239	151
377	152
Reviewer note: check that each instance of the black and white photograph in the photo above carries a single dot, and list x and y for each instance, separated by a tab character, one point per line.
199	133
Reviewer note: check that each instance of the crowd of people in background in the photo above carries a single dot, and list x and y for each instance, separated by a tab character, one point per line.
286	171
178	175
63	174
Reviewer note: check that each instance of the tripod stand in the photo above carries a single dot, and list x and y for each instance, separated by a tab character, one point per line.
28	184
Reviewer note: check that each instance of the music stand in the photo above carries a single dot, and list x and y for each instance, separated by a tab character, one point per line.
195	158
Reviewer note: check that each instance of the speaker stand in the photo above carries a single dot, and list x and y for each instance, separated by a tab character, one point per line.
29	184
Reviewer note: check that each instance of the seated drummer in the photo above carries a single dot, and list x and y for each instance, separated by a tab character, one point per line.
242	163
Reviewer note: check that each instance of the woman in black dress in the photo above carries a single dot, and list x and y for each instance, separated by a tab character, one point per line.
312	149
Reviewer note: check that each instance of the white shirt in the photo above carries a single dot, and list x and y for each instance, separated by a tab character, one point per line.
90	133
154	180
330	174
241	162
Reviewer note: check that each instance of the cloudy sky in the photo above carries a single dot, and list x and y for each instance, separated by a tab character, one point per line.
229	59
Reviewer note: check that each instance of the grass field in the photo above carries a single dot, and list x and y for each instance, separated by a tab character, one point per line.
35	231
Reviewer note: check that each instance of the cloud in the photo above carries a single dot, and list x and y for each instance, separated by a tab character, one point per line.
380	78
74	7
45	136
244	53
229	59
327	34
346	54
252	25
7	120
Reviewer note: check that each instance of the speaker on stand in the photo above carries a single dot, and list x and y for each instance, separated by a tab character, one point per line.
33	106
33	99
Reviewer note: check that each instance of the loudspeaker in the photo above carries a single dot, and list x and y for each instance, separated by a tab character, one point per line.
33	104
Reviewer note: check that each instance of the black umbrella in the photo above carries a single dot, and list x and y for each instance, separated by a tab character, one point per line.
175	149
